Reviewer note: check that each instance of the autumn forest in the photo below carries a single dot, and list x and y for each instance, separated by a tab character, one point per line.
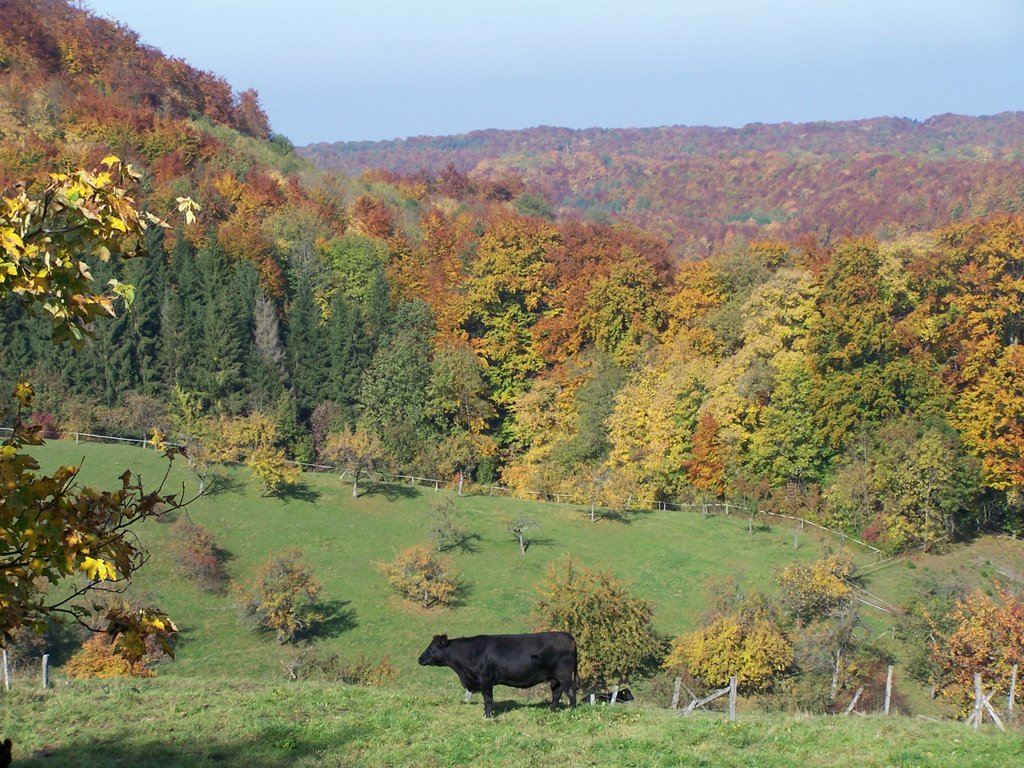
825	318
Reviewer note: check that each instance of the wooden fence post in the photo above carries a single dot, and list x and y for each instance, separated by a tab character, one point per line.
7	674
675	689
888	689
46	671
732	698
853	703
615	694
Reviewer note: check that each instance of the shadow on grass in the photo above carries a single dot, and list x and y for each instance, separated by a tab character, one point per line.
298	492
218	483
274	745
391	491
464	542
540	704
535	541
338	619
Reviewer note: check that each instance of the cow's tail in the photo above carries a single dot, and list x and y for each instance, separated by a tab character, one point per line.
575	671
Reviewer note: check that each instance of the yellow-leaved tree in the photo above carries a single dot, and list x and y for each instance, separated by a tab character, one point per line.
753	649
58	541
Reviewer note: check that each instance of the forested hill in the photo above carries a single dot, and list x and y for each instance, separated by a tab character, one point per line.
456	324
882	177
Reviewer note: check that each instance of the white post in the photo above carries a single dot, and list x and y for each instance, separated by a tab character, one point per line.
46	671
732	698
1009	703
835	676
888	689
675	691
7	674
615	694
978	698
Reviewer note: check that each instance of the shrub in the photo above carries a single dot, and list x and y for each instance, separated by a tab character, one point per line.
980	635
612	627
282	598
98	657
418	575
332	670
447	533
198	556
810	591
755	651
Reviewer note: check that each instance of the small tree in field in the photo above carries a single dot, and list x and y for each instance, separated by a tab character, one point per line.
283	597
810	591
518	529
755	650
99	658
358	453
612	627
198	556
447	533
987	637
418	575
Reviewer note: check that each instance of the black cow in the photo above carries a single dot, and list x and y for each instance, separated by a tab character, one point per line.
623	695
520	661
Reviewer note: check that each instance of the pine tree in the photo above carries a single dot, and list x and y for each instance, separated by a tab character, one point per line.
304	341
350	351
150	278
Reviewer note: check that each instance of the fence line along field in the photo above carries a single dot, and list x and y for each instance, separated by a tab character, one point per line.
235	684
667	556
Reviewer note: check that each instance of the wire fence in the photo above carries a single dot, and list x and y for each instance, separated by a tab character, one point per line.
575	498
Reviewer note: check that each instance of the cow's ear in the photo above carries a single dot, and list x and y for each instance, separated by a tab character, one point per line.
442	640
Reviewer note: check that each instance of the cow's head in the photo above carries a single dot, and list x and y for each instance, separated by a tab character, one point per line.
435	653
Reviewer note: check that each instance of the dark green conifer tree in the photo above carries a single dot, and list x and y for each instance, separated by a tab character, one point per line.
305	344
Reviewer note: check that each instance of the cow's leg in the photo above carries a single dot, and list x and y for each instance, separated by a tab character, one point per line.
556	693
488	692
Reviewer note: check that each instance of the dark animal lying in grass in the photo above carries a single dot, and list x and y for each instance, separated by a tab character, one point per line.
5	753
520	661
623	695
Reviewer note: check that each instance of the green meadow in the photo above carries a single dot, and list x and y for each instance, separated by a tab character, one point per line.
667	556
226	698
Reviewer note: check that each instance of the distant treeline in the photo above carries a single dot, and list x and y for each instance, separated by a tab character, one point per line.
701	187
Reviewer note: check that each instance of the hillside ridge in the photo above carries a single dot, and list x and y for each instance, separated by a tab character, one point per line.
701	186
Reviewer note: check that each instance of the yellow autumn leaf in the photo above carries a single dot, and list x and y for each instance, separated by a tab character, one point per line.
98	570
23	392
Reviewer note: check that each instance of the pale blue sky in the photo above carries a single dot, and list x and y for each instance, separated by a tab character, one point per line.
332	70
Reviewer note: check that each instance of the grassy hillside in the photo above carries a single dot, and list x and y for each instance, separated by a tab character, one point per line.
203	723
226	701
667	556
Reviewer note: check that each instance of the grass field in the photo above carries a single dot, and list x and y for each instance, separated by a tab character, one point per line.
173	722
667	556
226	701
